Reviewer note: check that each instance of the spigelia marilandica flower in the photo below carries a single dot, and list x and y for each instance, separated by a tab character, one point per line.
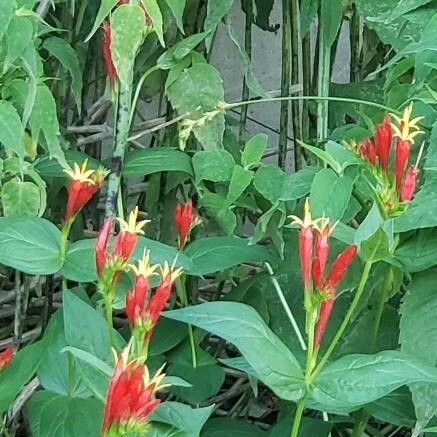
131	398
383	140
6	357
143	308
328	290
185	219
306	239
82	187
367	151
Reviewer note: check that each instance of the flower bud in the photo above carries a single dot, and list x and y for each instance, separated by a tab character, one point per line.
409	185
6	357
383	139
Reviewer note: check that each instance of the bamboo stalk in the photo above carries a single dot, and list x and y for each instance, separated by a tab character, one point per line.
355	38
285	82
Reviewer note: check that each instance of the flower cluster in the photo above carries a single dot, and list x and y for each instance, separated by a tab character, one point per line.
6	357
396	185
111	261
84	183
320	289
143	308
185	219
131	398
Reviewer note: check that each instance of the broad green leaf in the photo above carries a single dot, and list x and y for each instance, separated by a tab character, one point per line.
177	52
368	227
19	372
44	119
355	380
127	35
324	156
418	252
253	151
241	325
53	371
332	13
196	91
225	427
418	338
330	194
7	9
215	254
53	415
84	327
106	7
403	7
213	165
297	185
375	248
219	208
166	335
269	182
80	262
177	7
183	417
240	180
50	168
19	35
215	12
89	358
64	53
20	199
31	245
11	129
157	159
152	9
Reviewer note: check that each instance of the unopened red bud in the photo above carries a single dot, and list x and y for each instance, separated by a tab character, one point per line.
102	245
402	154
409	185
6	357
339	267
383	140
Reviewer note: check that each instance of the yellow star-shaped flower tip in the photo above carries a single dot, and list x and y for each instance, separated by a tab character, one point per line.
406	129
80	173
131	226
167	270
144	268
307	219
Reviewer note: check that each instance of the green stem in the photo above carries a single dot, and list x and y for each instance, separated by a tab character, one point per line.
355	39
182	292
298	418
120	144
346	320
108	314
306	83
65	233
285	82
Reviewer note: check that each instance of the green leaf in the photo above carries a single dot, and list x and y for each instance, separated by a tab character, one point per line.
127	35
215	254
53	415
89	358
166	335
158	159
324	156
177	52
375	248
254	151
403	7
330	194
308	12
332	13
11	129
31	245
20	199
213	165
215	12
177	7
355	380
106	7
7	9
64	53
196	91
269	182
297	185
418	338
225	427
183	417
18	37
240	180
218	207
241	325
155	15
19	372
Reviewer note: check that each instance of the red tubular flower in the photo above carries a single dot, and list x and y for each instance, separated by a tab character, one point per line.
185	219
102	245
339	267
6	357
106	53
409	185
127	238
402	153
84	184
383	139
130	399
367	151
324	315
321	255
